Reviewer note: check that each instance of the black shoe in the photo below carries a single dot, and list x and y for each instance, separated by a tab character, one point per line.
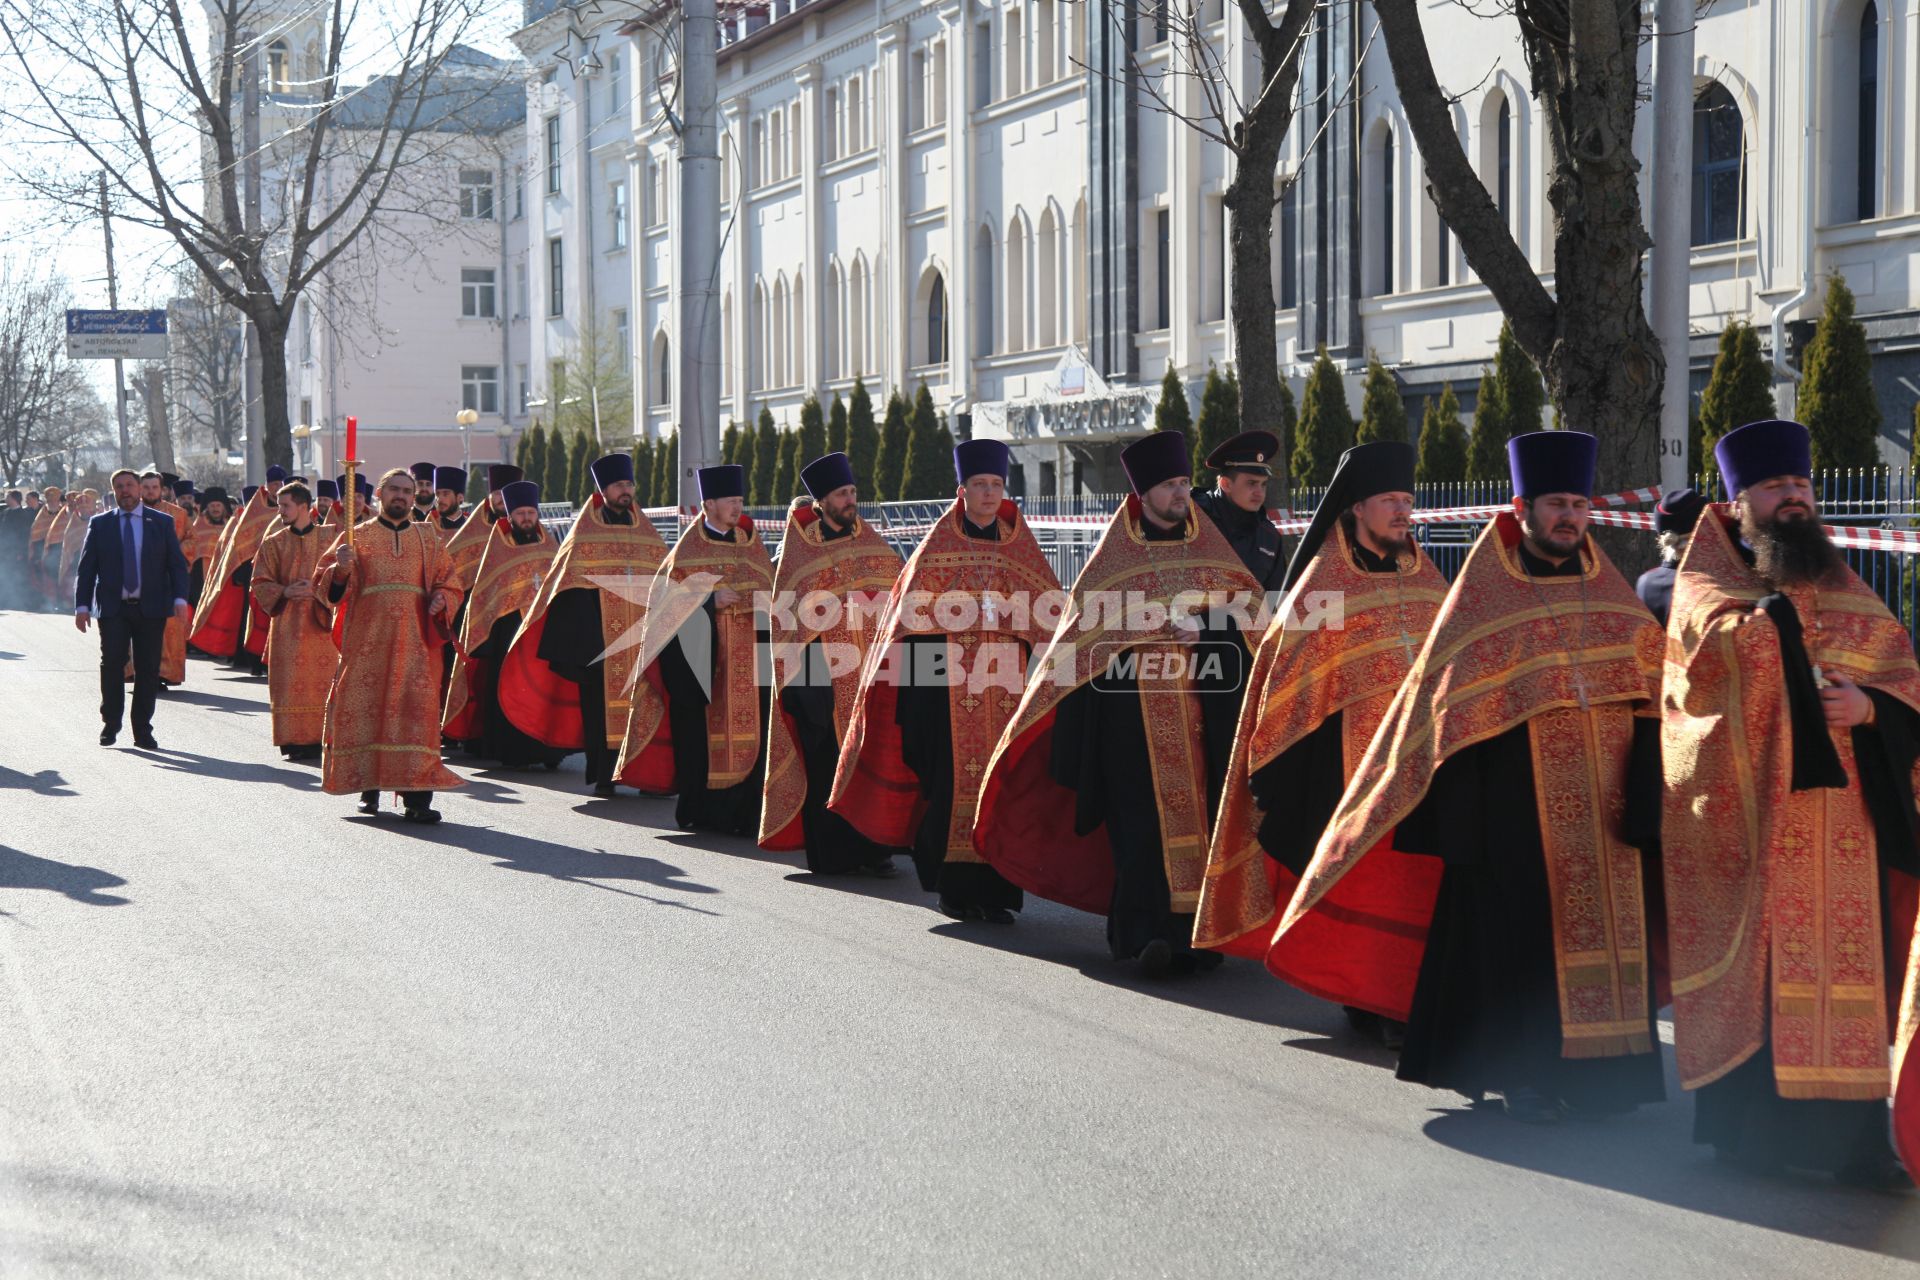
1530	1106
955	911
370	803
1155	958
145	741
1205	961
996	915
1882	1174
603	790
880	868
422	814
108	737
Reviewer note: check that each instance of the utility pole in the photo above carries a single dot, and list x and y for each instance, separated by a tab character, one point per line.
113	302
1670	271
696	275
250	140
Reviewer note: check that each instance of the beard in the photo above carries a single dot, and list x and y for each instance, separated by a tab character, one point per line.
1791	552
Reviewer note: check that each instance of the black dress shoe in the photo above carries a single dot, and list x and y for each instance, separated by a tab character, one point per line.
423	815
1530	1106
1155	958
603	790
1882	1174
880	868
145	742
957	911
996	915
108	737
370	803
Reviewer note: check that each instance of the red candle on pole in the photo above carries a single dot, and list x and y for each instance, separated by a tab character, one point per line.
353	430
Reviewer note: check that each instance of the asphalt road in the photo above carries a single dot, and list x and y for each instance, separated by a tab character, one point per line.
246	1032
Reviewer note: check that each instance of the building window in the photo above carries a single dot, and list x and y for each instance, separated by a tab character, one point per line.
519	191
982	65
553	155
1719	178
776	146
936	350
522	300
556	278
1384	215
1044	72
1213	260
856	118
616	85
476	293
622	337
917	90
1503	191
524	378
618	211
1161	23
476	194
480	387
1162	269
830	127
279	67
983	262
1013	64
662	370
657	195
1867	136
1016	322
936	91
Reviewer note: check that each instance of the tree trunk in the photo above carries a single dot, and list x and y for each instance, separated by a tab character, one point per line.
159	438
1249	200
276	440
1590	337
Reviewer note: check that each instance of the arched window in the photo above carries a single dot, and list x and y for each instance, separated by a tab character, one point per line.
777	146
279	67
1867	135
1016	328
1386	213
1503	164
836	309
1046	260
662	369
983	306
937	321
797	329
757	339
1719	174
777	345
857	316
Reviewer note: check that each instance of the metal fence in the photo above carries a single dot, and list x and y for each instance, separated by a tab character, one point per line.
1860	498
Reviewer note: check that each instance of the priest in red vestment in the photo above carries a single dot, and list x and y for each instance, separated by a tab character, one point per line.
1522	753
1360	599
1100	792
393	592
1792	725
960	627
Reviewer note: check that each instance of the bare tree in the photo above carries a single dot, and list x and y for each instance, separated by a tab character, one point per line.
1253	126
204	359
1590	336
151	93
149	383
47	405
595	379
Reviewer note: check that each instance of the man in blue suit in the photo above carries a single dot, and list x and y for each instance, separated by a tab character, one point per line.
132	562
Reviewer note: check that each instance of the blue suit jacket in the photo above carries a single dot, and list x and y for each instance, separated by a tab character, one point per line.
163	569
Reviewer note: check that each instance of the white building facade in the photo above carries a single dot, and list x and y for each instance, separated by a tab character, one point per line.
977	197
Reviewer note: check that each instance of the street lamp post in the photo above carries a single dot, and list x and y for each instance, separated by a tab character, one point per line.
466	418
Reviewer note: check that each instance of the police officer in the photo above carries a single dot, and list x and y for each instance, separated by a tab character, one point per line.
1237	503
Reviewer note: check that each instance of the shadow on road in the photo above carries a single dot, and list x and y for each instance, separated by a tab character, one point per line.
80	884
563	862
47	782
231	770
216	701
1649	1154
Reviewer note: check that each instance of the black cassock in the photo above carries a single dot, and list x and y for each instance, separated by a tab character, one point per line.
731	810
500	739
1100	754
925	717
834	845
1486	1006
572	645
1742	1114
